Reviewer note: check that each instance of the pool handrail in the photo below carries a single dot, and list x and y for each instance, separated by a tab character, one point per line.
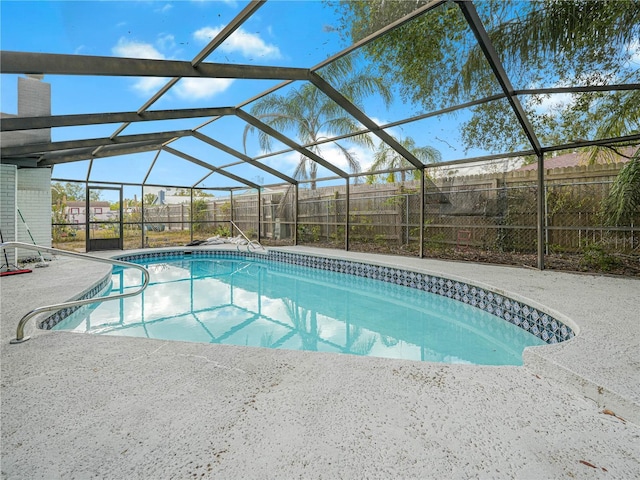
250	243
72	303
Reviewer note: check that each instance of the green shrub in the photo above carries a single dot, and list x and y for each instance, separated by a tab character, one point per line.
595	257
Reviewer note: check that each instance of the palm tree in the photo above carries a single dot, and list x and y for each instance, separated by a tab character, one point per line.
623	201
386	158
315	117
305	324
357	344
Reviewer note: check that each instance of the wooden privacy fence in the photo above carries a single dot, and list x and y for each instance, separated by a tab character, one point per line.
496	211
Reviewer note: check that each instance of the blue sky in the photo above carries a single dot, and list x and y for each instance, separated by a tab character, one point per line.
281	33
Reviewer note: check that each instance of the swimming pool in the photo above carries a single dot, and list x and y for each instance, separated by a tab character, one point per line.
303	302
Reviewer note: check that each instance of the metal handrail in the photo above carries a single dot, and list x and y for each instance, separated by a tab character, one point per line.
73	303
250	243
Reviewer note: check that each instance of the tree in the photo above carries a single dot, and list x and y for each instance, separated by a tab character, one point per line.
149	199
386	158
313	116
60	193
623	201
438	63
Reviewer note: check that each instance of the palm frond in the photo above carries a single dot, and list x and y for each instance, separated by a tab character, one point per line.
352	160
623	202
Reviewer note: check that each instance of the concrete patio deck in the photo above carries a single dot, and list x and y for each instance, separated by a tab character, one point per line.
84	406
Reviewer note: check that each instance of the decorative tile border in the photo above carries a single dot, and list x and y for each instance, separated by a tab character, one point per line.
533	320
52	320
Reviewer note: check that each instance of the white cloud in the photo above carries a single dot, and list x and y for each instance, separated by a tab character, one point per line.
247	44
334	156
201	88
634	51
288	162
285	163
187	88
551	103
149	85
164	9
166	41
133	49
231	3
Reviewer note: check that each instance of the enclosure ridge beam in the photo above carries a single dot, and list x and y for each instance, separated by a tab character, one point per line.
594	143
356	113
423	116
10	124
202	179
78	155
580	89
228	30
153	162
250	119
386	171
443	111
375	35
475	23
485	158
243	157
65	64
206	51
265	93
206	165
93	142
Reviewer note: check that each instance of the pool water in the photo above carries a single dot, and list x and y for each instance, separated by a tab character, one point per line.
261	303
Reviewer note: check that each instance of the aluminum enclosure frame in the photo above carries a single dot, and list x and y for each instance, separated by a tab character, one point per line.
54	153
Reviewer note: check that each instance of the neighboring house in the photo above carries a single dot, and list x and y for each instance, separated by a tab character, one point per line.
75	212
574	159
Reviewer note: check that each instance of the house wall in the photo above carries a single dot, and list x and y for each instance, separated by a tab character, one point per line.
8	194
27	189
34	100
34	202
75	212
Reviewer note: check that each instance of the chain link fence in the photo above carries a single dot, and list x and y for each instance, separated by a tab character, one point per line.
464	216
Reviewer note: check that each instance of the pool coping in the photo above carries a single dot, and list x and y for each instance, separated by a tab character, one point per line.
549	326
535	358
517	419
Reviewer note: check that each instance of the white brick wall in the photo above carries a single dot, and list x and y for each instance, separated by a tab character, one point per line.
34	100
8	194
34	202
28	189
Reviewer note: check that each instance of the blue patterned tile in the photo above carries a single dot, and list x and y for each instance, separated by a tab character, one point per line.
538	323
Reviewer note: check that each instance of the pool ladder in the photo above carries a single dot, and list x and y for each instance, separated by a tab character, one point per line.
73	303
251	244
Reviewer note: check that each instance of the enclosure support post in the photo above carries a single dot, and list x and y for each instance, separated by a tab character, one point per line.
142	225
423	172
87	216
546	220
191	216
541	213
259	215
121	216
295	217
231	212
346	221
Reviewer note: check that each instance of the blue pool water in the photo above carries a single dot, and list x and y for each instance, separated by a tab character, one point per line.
261	303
